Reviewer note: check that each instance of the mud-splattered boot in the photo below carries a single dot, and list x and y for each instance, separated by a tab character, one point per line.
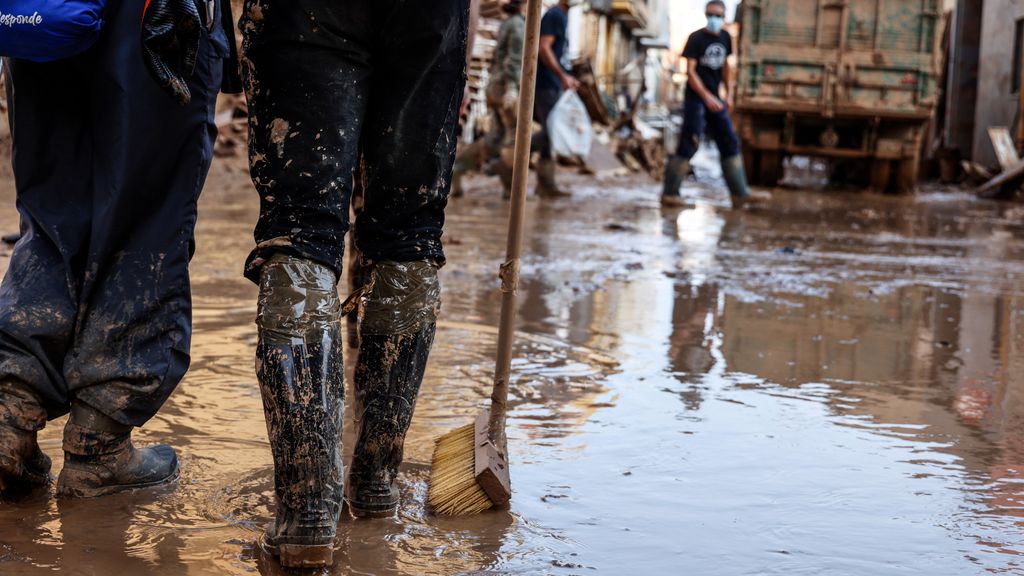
467	160
24	468
736	180
546	185
302	381
397	333
501	166
100	459
676	170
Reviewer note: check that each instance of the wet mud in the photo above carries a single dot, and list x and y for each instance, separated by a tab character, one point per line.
831	385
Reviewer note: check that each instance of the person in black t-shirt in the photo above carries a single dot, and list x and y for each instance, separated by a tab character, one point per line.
705	111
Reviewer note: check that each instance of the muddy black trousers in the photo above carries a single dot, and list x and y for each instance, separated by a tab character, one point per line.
332	83
95	306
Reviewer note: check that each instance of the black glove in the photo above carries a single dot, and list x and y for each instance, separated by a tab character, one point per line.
170	41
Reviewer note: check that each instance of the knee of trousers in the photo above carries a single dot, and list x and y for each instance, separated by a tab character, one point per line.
298	300
404	298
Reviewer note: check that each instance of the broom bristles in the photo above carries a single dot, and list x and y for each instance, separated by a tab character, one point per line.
453	489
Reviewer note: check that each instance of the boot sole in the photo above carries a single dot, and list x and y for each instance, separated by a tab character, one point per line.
63	492
300	555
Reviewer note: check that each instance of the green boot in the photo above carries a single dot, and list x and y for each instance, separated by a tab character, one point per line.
736	180
676	170
546	185
735	176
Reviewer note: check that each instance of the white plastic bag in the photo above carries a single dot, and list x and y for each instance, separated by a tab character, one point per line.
569	127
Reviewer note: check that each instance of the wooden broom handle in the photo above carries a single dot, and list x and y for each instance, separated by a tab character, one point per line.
514	248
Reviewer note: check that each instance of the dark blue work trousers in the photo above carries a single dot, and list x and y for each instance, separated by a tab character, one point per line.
697	121
330	84
96	306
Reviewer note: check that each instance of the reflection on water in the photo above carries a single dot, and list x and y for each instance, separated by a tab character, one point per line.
829	386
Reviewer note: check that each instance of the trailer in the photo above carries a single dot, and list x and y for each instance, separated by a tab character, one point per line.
852	81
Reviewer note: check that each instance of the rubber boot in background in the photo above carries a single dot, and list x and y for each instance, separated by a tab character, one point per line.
395	339
24	468
468	159
501	166
301	375
100	459
676	170
736	180
546	185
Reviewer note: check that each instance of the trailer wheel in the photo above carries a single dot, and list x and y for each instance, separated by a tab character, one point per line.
906	175
770	169
881	173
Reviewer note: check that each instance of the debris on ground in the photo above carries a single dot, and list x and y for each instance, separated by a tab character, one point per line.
232	125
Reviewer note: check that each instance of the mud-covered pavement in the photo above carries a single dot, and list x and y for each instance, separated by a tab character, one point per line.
832	385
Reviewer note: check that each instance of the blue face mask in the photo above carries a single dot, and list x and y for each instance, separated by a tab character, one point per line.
715	23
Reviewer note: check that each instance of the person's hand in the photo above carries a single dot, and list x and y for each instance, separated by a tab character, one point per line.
569	83
170	42
714	104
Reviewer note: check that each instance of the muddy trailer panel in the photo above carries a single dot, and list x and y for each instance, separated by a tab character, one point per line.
851	80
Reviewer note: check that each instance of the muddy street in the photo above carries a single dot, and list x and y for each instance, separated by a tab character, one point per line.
831	385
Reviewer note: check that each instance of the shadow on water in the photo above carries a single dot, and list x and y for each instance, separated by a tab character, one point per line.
831	385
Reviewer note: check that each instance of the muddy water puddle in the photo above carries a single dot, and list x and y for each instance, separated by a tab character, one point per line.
832	385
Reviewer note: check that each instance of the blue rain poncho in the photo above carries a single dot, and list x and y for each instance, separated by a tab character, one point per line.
46	30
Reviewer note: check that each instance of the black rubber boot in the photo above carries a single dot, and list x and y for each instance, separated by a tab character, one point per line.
676	170
546	185
302	381
397	333
387	382
24	468
100	459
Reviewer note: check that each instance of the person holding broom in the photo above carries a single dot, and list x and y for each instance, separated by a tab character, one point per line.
327	83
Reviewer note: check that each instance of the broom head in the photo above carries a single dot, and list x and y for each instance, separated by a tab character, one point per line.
469	473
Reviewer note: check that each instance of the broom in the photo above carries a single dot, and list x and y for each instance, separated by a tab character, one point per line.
470	467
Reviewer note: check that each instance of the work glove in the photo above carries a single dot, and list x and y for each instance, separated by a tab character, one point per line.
170	41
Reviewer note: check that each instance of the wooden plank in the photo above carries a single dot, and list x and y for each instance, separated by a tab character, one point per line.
1012	174
1002	142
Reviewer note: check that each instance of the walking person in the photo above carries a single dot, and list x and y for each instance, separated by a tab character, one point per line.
329	84
552	79
95	308
705	111
502	93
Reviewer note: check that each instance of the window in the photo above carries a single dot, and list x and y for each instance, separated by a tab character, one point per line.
1018	58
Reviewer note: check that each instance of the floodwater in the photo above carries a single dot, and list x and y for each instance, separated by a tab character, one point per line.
832	385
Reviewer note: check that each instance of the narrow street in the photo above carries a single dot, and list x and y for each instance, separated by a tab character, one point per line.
829	385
